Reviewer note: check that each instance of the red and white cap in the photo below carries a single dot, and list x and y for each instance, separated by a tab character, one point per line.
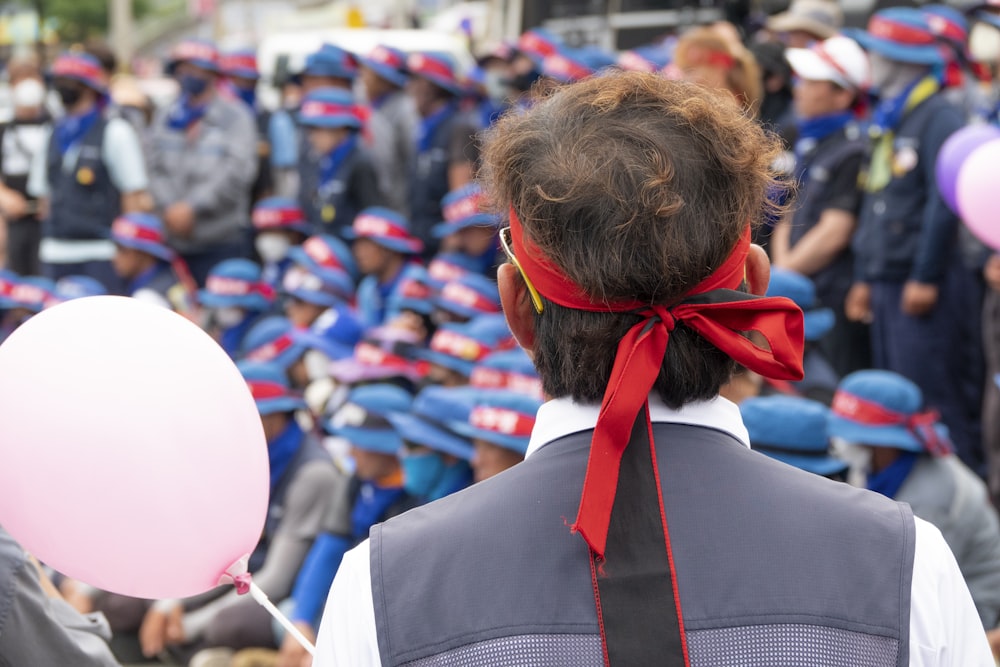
839	60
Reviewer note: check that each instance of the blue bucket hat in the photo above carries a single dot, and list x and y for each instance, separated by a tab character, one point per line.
538	43
330	108
363	419
427	422
793	431
446	267
438	68
32	293
321	288
950	26
901	34
269	387
385	227
199	52
471	295
459	347
275	213
272	341
330	61
143	232
325	253
511	370
241	63
236	283
502	418
388	63
463	208
414	292
884	409
82	68
800	289
384	352
78	287
647	58
334	333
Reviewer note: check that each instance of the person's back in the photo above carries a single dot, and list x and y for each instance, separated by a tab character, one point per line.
631	283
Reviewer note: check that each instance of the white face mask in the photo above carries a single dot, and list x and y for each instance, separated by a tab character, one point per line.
272	247
317	365
229	317
496	86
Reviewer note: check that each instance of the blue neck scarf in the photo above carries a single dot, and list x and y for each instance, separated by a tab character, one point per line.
248	95
889	480
455	478
428	126
71	129
888	114
282	450
331	163
371	504
184	114
814	130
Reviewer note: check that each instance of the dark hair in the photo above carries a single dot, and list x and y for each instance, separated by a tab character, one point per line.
637	188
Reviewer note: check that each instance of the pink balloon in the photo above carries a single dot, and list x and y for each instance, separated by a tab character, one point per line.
132	456
978	193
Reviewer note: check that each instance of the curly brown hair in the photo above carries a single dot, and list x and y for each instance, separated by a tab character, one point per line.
637	188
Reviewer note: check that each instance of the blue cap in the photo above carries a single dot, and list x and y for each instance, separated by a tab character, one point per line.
78	287
901	34
32	293
793	431
884	409
385	227
427	422
236	283
460	346
502	418
199	52
275	213
271	341
414	291
269	386
446	267
334	333
320	288
143	232
363	419
510	370
471	295
330	61
438	68
325	253
388	63
800	289
330	108
461	209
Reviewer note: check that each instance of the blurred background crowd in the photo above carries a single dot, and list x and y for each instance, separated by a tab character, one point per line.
301	182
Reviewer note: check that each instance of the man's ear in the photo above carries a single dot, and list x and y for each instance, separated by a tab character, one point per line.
758	270
517	306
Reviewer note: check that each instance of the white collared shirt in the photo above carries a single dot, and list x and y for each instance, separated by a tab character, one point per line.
945	630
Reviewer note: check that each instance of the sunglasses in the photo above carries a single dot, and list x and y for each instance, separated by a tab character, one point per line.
507	244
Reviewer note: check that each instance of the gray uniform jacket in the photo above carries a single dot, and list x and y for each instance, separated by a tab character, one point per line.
211	166
946	493
393	126
38	630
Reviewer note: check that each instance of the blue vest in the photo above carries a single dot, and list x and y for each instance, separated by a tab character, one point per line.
84	201
775	566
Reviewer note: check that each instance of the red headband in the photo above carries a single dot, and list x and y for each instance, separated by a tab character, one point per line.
713	309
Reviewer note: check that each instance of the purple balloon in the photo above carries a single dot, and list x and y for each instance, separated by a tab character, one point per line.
952	155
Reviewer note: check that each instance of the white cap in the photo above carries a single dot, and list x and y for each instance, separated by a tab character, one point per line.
838	59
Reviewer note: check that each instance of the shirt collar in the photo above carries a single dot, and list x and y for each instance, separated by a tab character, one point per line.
560	417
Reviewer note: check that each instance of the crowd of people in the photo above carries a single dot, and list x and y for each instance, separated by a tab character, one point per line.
342	251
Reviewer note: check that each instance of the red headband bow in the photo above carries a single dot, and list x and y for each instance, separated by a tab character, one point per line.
713	308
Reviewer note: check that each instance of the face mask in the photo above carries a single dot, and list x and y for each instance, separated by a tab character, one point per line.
28	94
229	317
317	365
192	85
271	247
69	94
421	473
496	86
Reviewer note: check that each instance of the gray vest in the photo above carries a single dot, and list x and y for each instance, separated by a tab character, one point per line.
774	566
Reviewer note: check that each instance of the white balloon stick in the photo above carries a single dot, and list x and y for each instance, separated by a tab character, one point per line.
262	599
